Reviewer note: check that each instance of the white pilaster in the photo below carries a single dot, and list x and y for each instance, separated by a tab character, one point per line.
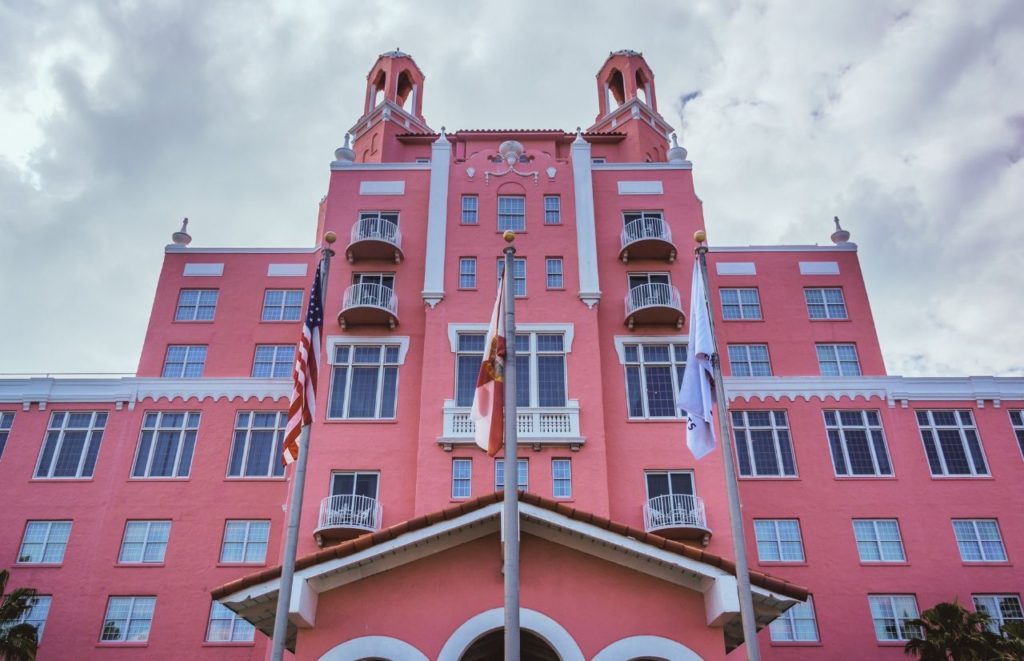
437	220
586	231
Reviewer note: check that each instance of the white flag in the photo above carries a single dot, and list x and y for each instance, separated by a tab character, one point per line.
696	394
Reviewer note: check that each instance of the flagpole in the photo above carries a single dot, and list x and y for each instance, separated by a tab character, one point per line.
731	483
284	595
510	510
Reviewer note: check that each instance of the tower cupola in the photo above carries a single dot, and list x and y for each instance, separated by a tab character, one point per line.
395	77
623	77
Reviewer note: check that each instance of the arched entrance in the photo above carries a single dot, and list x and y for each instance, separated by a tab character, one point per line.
492	645
557	643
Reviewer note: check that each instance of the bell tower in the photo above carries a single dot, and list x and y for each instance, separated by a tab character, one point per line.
393	105
627	104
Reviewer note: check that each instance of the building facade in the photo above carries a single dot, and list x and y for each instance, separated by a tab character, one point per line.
149	511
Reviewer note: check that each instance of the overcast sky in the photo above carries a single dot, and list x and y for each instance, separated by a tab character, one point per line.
905	119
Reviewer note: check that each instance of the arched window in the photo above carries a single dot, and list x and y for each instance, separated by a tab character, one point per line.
406	91
641	86
377	89
617	87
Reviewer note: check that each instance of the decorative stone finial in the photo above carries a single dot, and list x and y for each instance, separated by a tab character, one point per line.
344	154
330	237
579	136
840	236
700	236
509	236
676	154
182	237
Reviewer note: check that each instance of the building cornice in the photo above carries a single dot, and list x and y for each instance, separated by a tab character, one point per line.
892	389
849	247
185	250
597	167
377	167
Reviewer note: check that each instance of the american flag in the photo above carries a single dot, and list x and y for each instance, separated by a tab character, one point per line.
303	403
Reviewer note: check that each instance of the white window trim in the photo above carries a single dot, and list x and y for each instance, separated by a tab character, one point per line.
980	542
622	340
775	441
46	542
458	461
748	361
960	427
92	429
128	620
899	621
841	428
454	330
282	320
777	541
402	341
234	620
152	445
355	476
878	542
669	472
555	481
274	362
519	463
827	317
245	543
249	427
145	542
381	341
790	617
997	619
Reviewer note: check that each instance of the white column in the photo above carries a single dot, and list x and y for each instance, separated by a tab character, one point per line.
437	220
586	231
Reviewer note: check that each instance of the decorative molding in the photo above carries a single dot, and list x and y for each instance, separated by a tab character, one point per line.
248	251
378	167
567	330
783	248
622	340
334	340
586	227
627	167
890	388
641	188
372	647
636	647
382	187
735	268
208	269
819	268
437	220
548	629
286	270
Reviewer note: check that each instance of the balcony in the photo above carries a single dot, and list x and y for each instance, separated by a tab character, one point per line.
654	304
345	517
677	516
647	238
375	239
536	427
369	304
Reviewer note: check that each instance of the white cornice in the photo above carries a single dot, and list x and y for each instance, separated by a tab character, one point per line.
687	165
892	389
378	167
256	251
849	247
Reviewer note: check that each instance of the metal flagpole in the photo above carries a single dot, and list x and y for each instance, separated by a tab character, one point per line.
731	484
510	510
284	595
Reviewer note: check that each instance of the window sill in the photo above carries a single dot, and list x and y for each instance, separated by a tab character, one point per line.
279	321
276	478
230	565
733	321
783	563
114	643
555	289
856	478
883	563
466	289
796	643
139	565
361	421
770	478
158	479
940	478
38	565
229	643
192	321
892	643
987	563
61	479
677	419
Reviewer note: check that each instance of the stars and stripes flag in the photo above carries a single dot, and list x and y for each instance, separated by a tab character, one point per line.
489	399
304	375
696	394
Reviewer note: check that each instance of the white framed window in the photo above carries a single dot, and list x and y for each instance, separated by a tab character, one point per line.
979	540
669	483
355	483
273	361
522	474
891	613
467	273
462	478
196	305
1000	608
128	619
555	276
282	305
838	359
740	303
857	443
6	421
951	443
468	358
540	369
1016	420
598	160
35	615
364	381
552	210
245	541
511	213
654	371
225	626
166	444
518	274
561	478
184	361
144	542
778	540
650	289
825	303
796	625
44	542
749	360
879	540
72	444
763	445
256	449
470	209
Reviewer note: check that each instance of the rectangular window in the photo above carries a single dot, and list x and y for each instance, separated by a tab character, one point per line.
740	303
364	382
196	305
778	540
825	303
44	542
796	625
763	446
522	474
245	542
552	210
467	273
1016	419
653	375
511	213
518	274
35	616
1000	608
282	305
166	444
891	614
226	626
72	444
878	540
838	359
256	450
979	540
273	361
555	279
857	443
462	478
470	209
184	361
561	478
749	360
951	443
598	160
468	358
6	420
540	370
144	542
671	500
128	619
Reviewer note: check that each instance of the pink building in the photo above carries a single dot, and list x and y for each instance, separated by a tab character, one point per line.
149	510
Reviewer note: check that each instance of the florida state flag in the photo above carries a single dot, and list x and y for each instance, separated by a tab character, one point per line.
489	399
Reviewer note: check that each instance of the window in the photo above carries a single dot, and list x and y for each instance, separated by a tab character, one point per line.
462	478
196	305
1000	608
878	540
670	499
540	369
838	359
364	381
422	159
668	483
1016	419
273	360
35	615
226	626
891	614
72	444
44	542
511	213
740	303
749	360
467	273
651	289
796	625
561	478
598	160
552	210
653	374
166	444
350	483
522	474
379	225
128	619
256	450
518	274
468	357
555	278
144	542
979	540
638	225
373	289
951	443
6	420
245	542
857	443
184	361
778	540
282	305
470	209
825	303
763	447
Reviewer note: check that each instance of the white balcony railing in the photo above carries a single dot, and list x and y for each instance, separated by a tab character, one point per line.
540	425
651	295
371	295
351	512
644	229
375	229
674	511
